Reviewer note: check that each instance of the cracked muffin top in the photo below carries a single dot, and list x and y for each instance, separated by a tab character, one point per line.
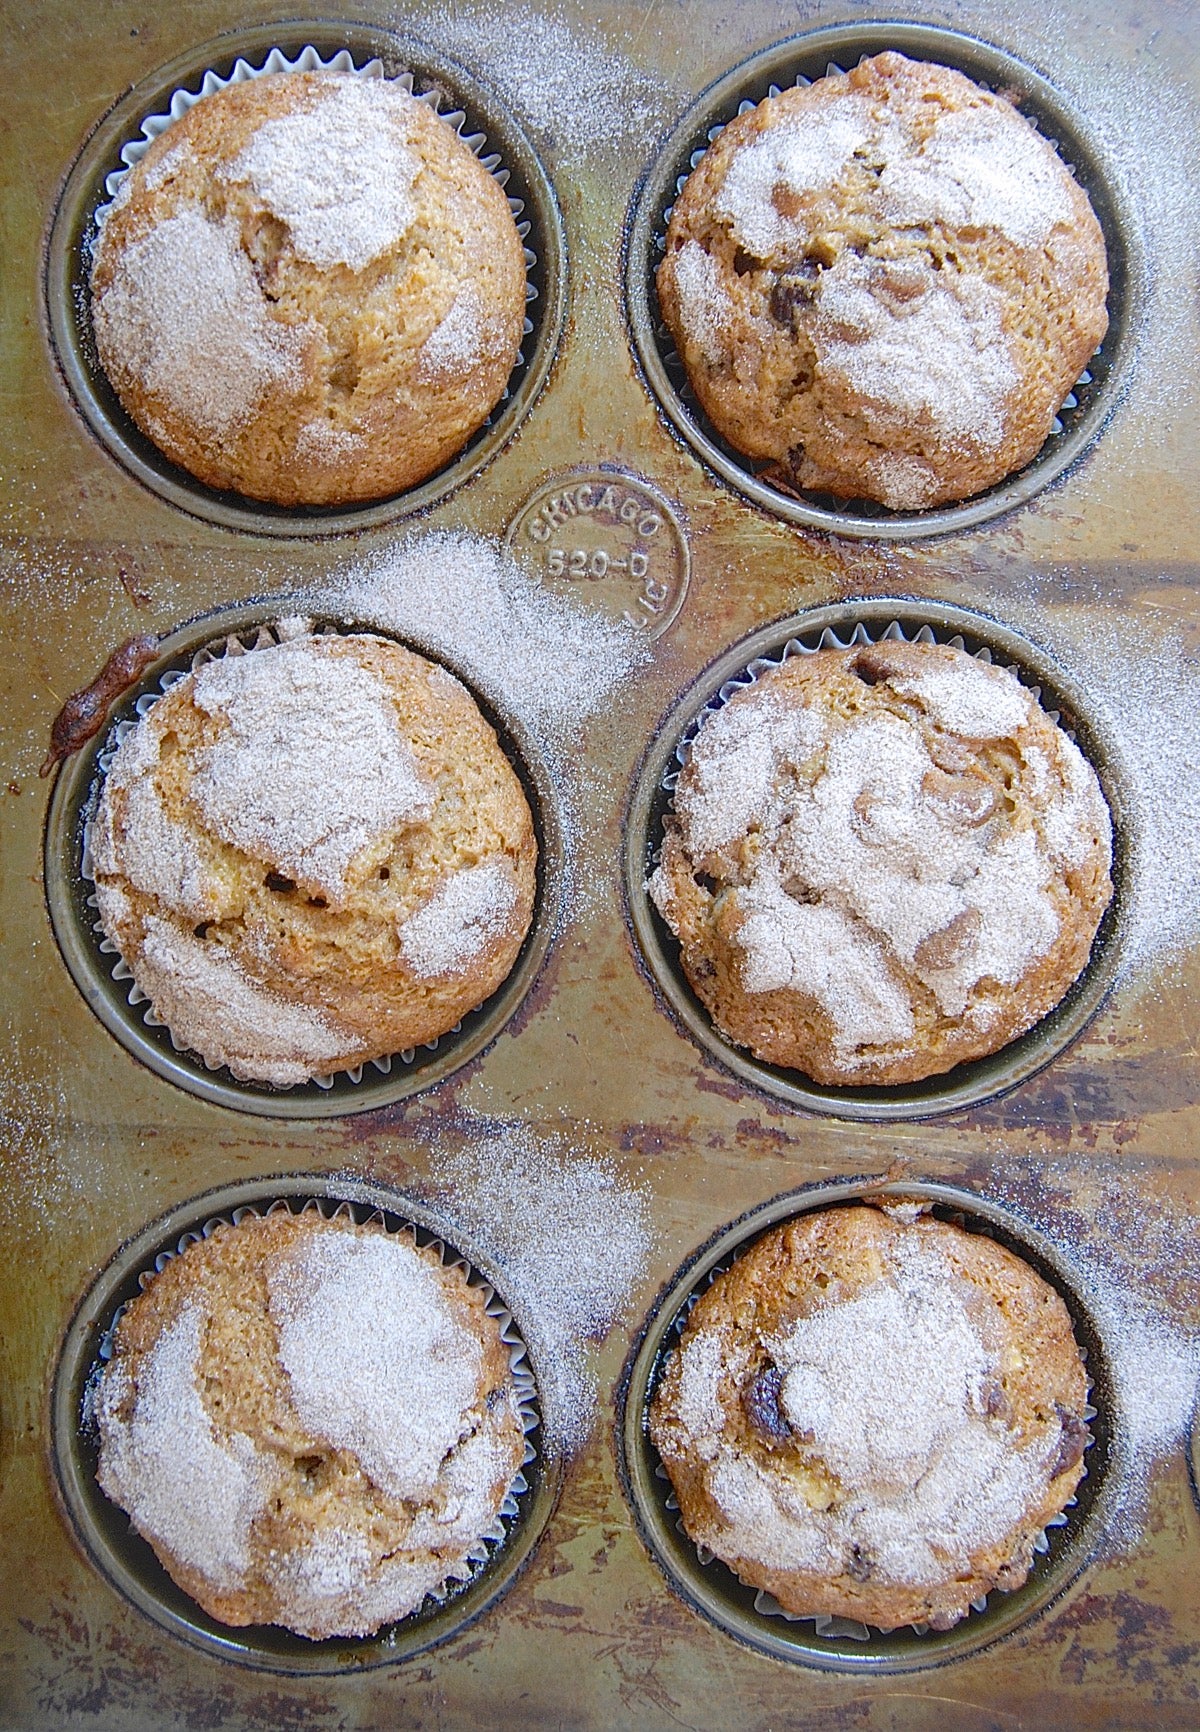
874	1415
882	862
313	854
883	285
309	290
313	1423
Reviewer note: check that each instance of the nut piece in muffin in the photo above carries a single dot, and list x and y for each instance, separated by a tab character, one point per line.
309	291
882	862
884	285
874	1419
312	1423
313	854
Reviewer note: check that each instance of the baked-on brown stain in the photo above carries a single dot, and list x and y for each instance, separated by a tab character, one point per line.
83	714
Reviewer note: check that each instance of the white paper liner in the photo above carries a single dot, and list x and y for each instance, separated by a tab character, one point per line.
674	363
310	59
765	1604
265	636
483	1549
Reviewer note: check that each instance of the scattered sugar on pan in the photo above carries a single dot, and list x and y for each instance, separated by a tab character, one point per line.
555	663
579	88
570	1237
1138	1258
1143	687
1143	111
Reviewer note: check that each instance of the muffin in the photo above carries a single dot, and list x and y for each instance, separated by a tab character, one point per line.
874	1418
313	1423
882	862
883	285
313	854
309	291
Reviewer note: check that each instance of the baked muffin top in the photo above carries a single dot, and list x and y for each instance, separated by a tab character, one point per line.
874	1418
309	290
311	1422
884	284
883	861
313	854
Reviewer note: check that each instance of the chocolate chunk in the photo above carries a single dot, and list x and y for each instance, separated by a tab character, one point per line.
872	666
860	1566
1075	1439
760	1399
794	290
277	881
995	1403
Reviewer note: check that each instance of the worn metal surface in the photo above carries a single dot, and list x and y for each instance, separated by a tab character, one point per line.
96	1145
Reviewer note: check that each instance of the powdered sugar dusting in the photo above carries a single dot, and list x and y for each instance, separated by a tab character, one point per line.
196	1494
456	344
804	156
891	1387
703	303
1143	692
1136	1256
158	855
185	313
803	947
979	167
970	698
376	1360
570	1238
466	912
337	173
553	661
312	766
338	1583
937	354
210	1003
323	441
580	86
982	167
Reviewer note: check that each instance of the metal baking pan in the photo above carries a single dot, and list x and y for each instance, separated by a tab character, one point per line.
1083	1151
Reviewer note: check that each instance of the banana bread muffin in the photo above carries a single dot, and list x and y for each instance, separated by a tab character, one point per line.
311	1422
883	285
874	1419
882	862
313	854
308	290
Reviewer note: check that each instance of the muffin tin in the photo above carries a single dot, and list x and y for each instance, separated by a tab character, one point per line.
106	983
840	1645
480	118
129	1562
596	1628
802	60
839	625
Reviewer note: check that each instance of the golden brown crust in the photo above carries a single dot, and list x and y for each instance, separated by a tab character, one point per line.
872	341
316	1490
353	406
1022	812
1034	1398
341	959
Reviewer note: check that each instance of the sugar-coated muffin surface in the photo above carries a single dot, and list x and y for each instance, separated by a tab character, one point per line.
312	1422
884	284
309	290
873	1417
882	862
313	854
